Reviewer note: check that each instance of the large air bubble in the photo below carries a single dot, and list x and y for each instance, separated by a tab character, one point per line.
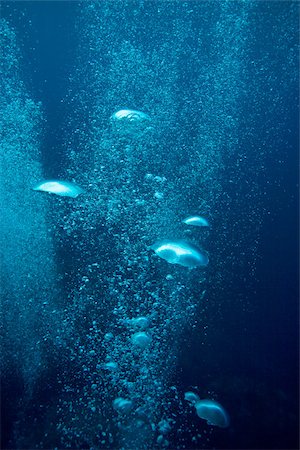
122	405
61	188
212	412
181	252
129	122
141	340
196	221
191	397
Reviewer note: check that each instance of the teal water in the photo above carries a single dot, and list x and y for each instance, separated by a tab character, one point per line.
102	338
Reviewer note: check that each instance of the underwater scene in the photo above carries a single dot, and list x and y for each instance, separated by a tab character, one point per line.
149	224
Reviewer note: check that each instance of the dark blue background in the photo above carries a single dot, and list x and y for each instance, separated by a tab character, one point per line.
264	380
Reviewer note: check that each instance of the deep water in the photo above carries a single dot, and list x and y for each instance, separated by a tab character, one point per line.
220	83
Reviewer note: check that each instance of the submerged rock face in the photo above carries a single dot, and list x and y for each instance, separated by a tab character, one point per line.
181	252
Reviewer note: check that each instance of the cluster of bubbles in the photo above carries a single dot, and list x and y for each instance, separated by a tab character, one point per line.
132	364
28	272
138	251
208	410
135	269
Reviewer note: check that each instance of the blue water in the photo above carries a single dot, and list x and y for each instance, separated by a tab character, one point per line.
219	82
